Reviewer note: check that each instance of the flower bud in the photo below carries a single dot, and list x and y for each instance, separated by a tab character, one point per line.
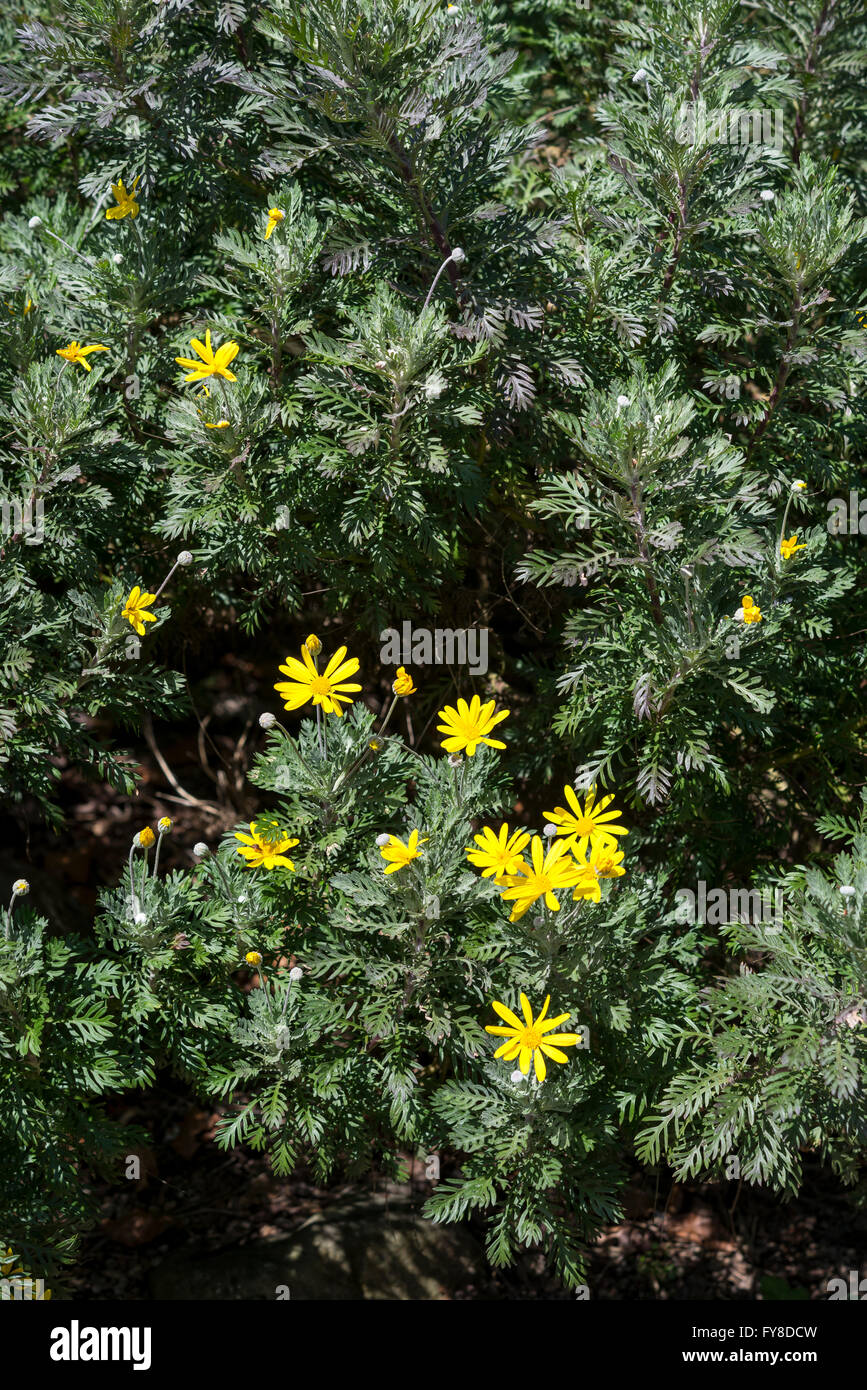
798	485
164	825
185	557
549	829
640	75
766	195
34	223
517	1076
455	759
403	685
374	744
313	645
117	258
296	973
383	840
459	255
21	888
622	401
253	958
847	890
267	721
144	839
200	850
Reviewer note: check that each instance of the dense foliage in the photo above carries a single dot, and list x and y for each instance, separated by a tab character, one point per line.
532	321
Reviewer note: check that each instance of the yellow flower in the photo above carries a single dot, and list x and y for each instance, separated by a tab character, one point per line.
374	744
469	725
164	824
532	1038
263	851
498	854
327	688
76	353
145	838
220	425
397	854
134	610
313	645
788	547
275	216
126	203
403	684
212	363
547	874
253	958
591	827
605	862
751	614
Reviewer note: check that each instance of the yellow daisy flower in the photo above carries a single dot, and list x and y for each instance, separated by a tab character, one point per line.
326	688
76	353
469	725
397	854
749	610
134	610
275	217
532	1038
591	827
788	547
126	203
263	850
403	685
498	854
544	877
212	363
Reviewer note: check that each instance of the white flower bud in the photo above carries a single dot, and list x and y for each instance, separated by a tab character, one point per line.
739	615
200	850
455	759
117	258
766	195
34	223
549	829
459	255
185	557
296	973
847	890
21	888
140	918
517	1076
798	485
622	401
267	721
640	75
383	840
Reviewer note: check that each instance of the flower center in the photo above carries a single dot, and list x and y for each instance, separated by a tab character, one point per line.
585	825
320	685
531	1038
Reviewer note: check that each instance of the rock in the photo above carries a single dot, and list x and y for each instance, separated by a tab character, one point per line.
372	1247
